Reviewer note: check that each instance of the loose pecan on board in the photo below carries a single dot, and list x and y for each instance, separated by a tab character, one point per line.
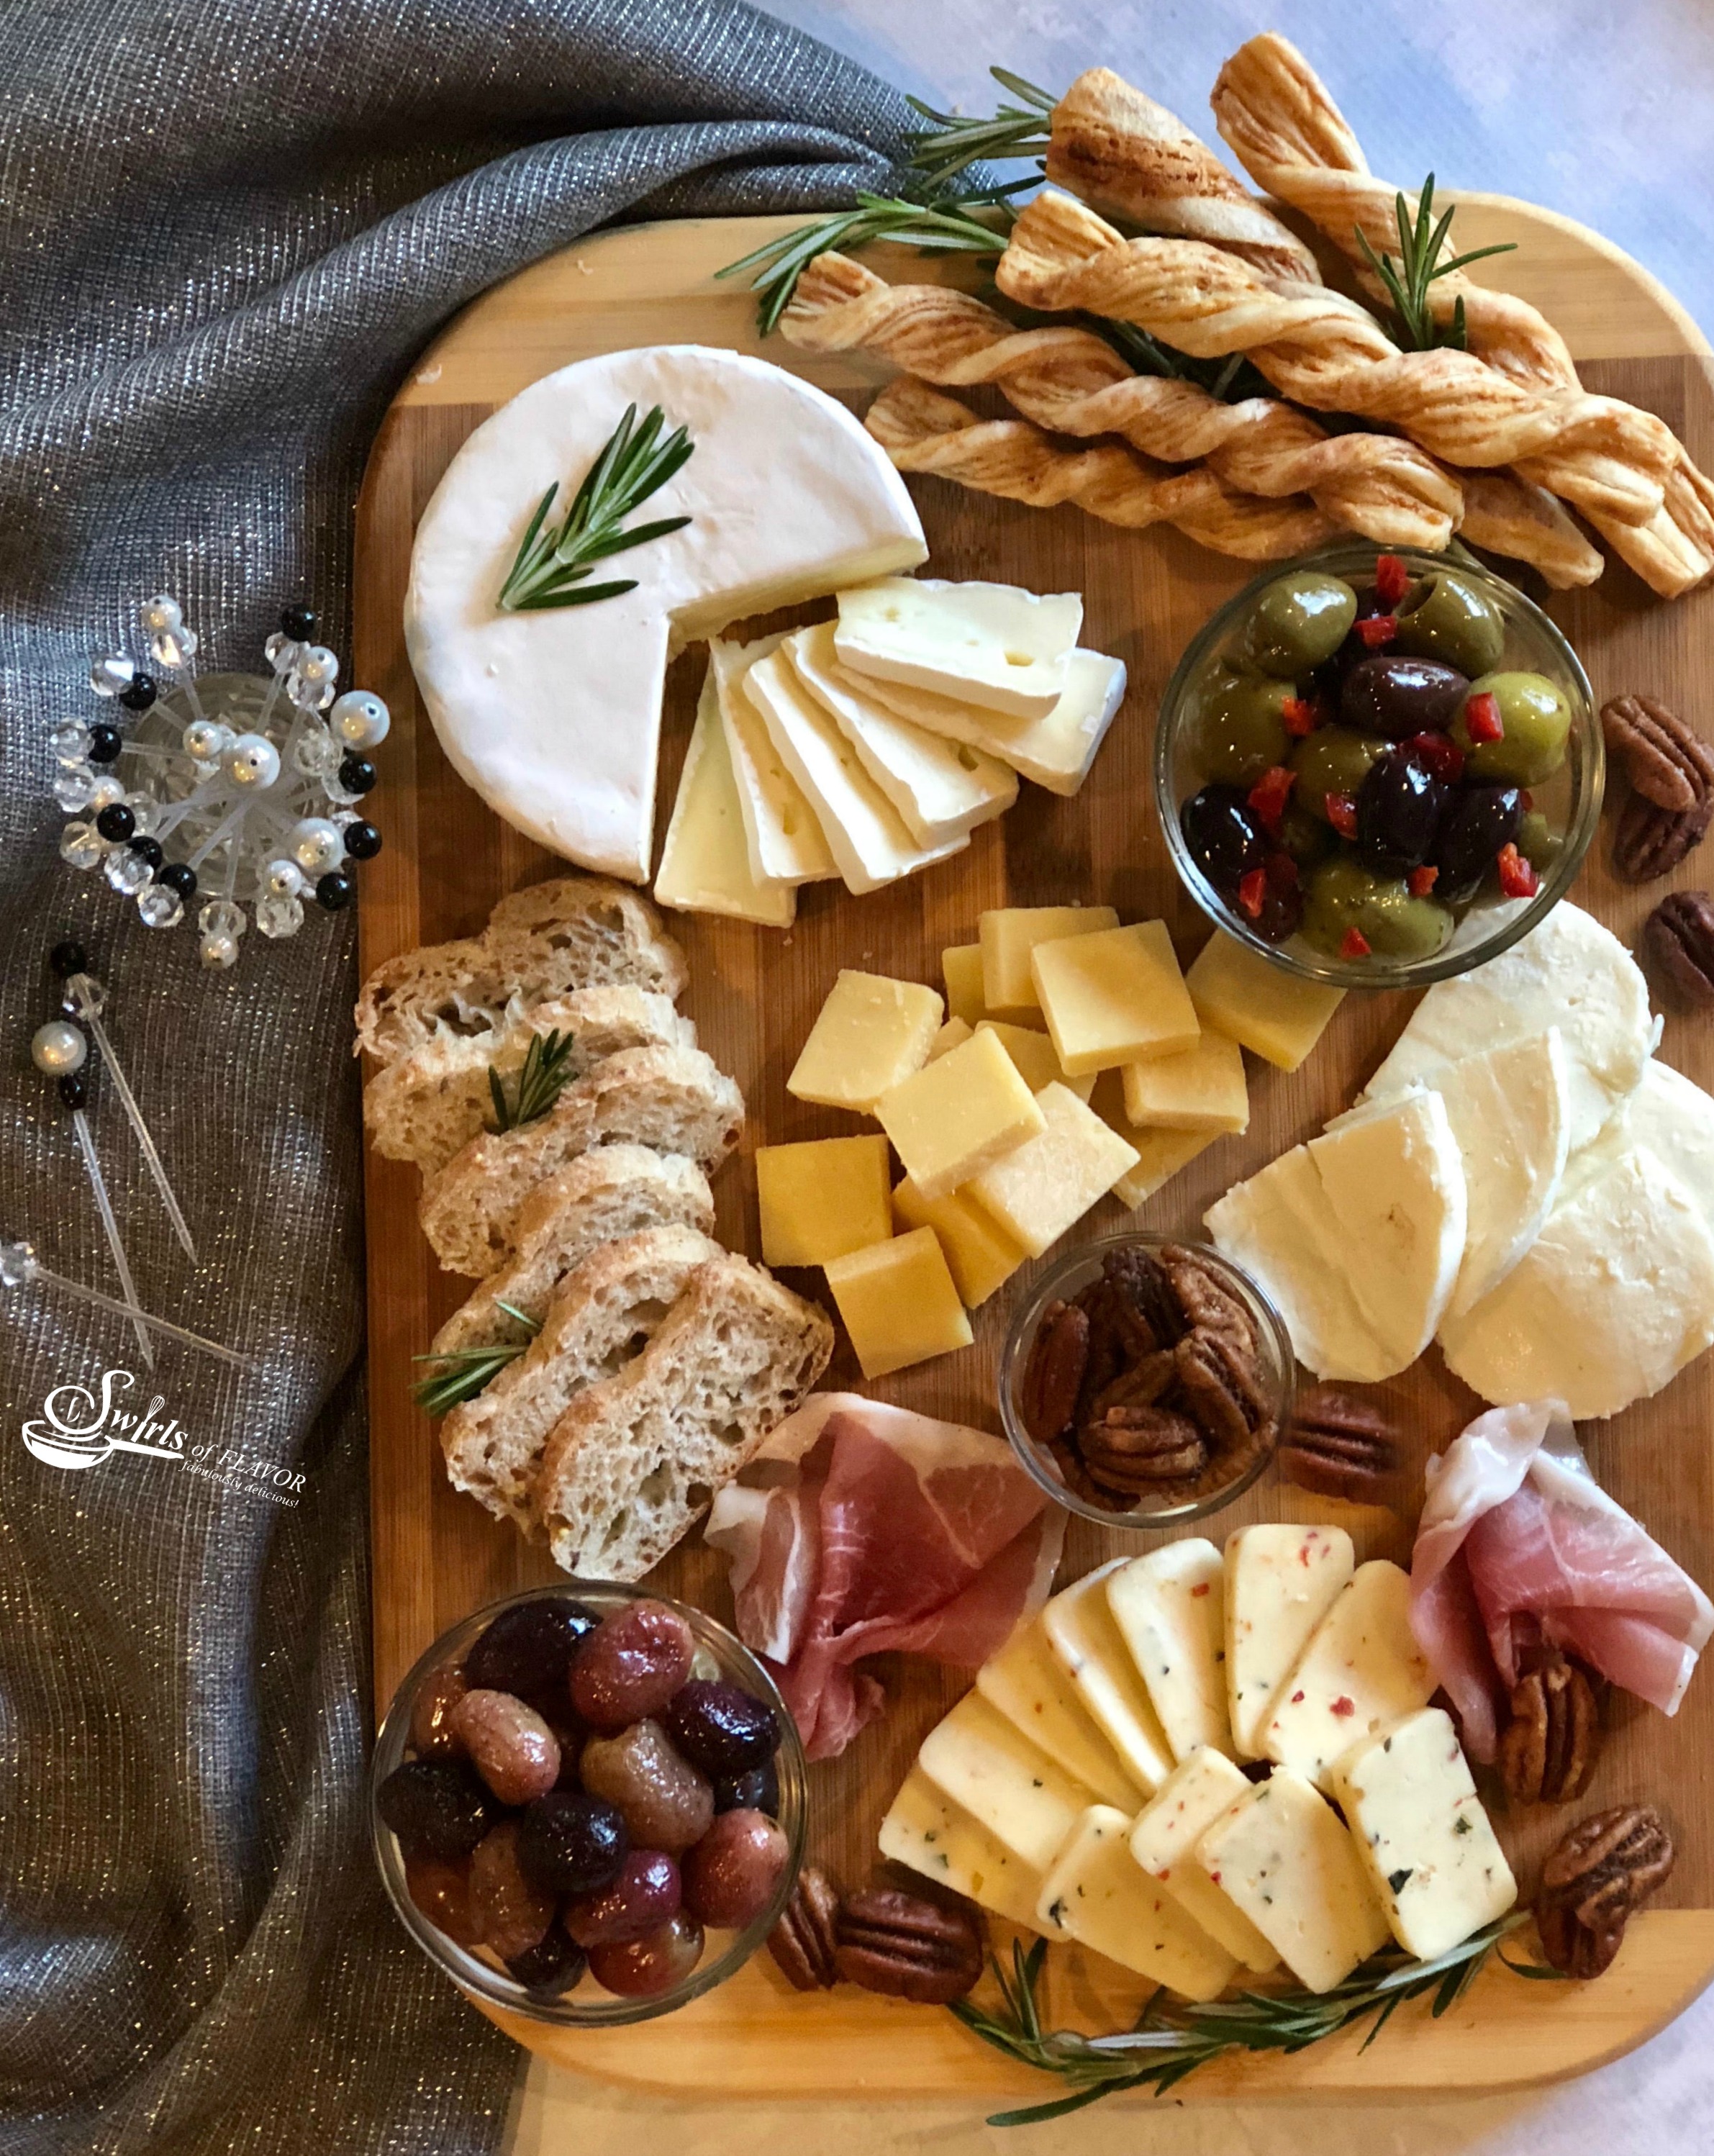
1677	946
1338	1446
805	1939
1601	1873
1665	761
928	1951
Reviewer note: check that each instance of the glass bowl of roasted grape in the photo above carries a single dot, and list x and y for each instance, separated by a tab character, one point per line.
589	1804
1378	768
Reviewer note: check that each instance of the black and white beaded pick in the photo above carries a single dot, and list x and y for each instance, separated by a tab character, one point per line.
246	789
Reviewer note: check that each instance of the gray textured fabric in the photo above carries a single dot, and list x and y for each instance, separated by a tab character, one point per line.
224	230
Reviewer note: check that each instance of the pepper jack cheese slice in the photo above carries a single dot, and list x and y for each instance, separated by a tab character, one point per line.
1164	1842
1361	1670
1280	1582
1090	1649
1027	1685
988	645
704	864
554	717
925	1830
1026	1800
1102	1896
1169	1607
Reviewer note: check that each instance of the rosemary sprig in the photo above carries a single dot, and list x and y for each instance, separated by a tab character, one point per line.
1170	2042
466	1371
546	1068
953	143
552	563
1407	281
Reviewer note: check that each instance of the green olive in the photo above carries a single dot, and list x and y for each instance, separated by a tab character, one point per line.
1305	837
1297	622
1343	895
1535	720
1332	760
1238	730
1539	844
1445	617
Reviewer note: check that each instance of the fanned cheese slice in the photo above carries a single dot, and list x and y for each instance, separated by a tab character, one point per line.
782	831
704	864
1055	752
925	1830
554	717
1510	1110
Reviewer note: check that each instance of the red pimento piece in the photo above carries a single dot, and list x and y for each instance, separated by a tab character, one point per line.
1282	872
1269	795
1391	578
1438	754
1252	891
1378	631
1353	944
1299	714
1423	880
1517	877
1196	1592
1342	814
1482	720
1342	1705
1526	800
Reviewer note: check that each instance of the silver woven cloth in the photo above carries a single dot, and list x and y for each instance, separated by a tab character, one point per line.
225	227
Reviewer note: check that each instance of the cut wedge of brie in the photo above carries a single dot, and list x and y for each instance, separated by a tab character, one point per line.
704	864
1054	752
994	645
782	832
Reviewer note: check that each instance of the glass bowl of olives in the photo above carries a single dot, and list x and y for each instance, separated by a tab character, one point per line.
1378	767
589	1804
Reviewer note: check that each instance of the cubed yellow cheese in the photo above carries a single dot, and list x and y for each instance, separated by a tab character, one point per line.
961	968
822	1199
953	1118
1362	1668
1114	997
871	1034
1027	1685
1276	1014
1199	1089
1011	933
953	1034
1047	1184
980	1254
1033	1053
1160	1154
1163	1840
1108	1902
898	1302
925	1830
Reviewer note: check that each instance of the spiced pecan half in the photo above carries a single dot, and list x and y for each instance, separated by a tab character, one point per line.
1666	762
1053	1375
803	1941
1601	1873
1140	1292
1208	1303
1221	1386
1132	1450
929	1952
1139	1386
1339	1447
1548	1749
1648	843
1677	946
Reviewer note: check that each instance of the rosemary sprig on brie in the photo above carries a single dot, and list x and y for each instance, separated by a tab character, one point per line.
553	562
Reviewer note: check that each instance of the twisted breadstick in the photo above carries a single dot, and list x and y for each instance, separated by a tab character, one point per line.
1074	381
923	431
1128	155
1507	516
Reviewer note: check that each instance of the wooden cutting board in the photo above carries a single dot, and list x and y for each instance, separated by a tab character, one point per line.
753	994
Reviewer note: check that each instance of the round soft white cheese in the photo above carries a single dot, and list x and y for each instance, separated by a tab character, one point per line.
554	717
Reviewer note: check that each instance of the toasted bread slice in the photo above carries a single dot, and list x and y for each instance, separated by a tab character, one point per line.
427	1104
603	1196
634	1462
548	940
602	1315
673	1099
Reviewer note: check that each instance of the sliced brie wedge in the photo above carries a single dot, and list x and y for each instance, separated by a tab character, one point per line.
782	832
1054	752
704	864
994	645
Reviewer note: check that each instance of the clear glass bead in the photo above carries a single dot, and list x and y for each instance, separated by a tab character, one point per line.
280	913
280	651
160	907
109	673
222	916
360	719
217	953
72	786
172	648
81	846
162	611
18	1264
84	996
70	741
341	796
106	793
316	845
206	740
146	809
340	818
126	872
281	879
308	694
315	753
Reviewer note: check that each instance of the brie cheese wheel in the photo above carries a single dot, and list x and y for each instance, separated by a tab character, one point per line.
554	717
782	832
994	645
704	864
1055	752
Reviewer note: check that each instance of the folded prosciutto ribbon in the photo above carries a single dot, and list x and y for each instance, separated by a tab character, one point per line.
861	1528
1519	1547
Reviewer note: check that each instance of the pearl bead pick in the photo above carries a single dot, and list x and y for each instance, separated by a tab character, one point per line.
282	879
207	739
217	953
360	719
162	611
59	1048
110	673
253	763
316	845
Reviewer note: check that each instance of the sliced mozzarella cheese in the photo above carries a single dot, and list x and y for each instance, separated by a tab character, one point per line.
1028	1801
782	832
1091	1650
925	1830
1170	1609
1163	1841
1510	1110
864	832
989	645
1025	1681
1361	1670
1675	1118
1102	1896
554	716
1055	752
940	788
1613	1298
704	864
1569	971
1395	1184
1280	1582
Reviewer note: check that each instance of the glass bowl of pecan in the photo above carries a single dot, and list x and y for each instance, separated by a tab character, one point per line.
1145	1381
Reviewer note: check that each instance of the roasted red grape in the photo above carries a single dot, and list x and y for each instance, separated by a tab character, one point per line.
442	1892
666	1804
554	1966
757	1791
511	1914
431	1717
528	1650
722	1730
514	1751
731	1874
436	1807
646	1895
631	1665
639	1968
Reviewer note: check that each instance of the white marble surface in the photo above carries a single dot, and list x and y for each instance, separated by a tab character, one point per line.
1603	110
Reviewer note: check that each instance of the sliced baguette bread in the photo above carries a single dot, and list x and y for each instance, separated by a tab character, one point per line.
603	1196
635	1460
675	1100
547	940
604	1314
427	1103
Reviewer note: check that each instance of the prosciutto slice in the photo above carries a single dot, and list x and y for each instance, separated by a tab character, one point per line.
1519	1546
861	1529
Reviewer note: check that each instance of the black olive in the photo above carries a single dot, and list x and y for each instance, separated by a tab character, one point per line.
1478	821
1400	807
1224	837
1397	696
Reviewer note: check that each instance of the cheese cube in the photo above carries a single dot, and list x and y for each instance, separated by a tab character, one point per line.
1055	752
1027	1684
1106	1900
1362	1668
1032	1052
898	1302
927	1831
1200	1089
1280	1582
782	833
1164	1842
704	864
1047	1184
1282	1856
1026	1800
950	1120
961	968
979	1253
1009	937
1431	1855
989	645
1114	997
1160	1154
1273	1014
1169	1607
1088	1647
953	1034
871	1034
822	1199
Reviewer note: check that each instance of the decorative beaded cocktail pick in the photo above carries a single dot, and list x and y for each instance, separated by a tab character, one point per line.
86	999
20	1267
